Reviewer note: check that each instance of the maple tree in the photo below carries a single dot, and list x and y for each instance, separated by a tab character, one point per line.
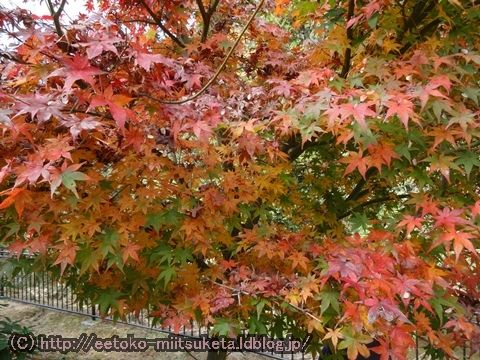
281	166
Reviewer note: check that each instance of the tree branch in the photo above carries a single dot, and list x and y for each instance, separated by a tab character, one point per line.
276	299
62	44
357	190
140	21
429	28
11	57
219	70
348	51
158	21
201	8
371	202
213	6
206	16
294	148
419	12
56	16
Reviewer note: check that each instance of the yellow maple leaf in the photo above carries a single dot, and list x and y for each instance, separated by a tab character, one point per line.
334	335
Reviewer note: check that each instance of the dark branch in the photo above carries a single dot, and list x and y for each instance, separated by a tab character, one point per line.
63	43
427	30
158	21
294	147
348	51
140	21
213	6
13	58
56	16
371	202
418	14
358	191
206	16
201	8
219	70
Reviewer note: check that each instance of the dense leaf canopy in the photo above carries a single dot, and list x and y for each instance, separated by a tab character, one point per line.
280	166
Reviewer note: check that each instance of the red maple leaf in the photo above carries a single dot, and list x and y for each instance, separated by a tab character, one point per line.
105	42
77	68
449	218
32	170
66	256
18	197
43	107
402	107
76	125
431	89
411	222
115	104
131	251
460	240
476	208
145	60
357	161
382	153
358	111
283	88
221	301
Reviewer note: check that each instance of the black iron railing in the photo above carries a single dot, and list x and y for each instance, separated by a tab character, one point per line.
42	290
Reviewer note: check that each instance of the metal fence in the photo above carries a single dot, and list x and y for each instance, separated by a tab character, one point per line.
41	290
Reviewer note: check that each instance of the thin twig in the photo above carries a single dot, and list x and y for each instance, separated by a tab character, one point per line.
160	25
219	70
122	188
275	299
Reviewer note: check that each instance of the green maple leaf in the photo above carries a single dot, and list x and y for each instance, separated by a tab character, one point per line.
329	299
359	222
169	217
468	159
439	302
108	299
166	275
69	179
224	327
472	93
255	326
109	241
354	343
183	255
87	258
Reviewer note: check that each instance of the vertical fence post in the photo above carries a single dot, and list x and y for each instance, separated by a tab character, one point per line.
2	286
416	346
93	311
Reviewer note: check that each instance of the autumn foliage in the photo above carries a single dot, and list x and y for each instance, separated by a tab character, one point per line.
304	167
